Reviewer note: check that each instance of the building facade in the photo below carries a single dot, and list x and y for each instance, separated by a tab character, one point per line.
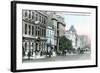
83	42
71	34
50	34
33	32
61	25
59	28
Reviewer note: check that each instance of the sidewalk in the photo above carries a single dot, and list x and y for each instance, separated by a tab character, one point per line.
35	57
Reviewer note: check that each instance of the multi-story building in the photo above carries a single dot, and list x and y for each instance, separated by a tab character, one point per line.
59	28
33	32
61	25
79	42
71	34
50	33
83	42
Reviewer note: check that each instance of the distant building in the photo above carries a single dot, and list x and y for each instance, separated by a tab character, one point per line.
50	34
34	31
83	41
71	34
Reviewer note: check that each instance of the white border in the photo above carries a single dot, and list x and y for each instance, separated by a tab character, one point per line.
21	65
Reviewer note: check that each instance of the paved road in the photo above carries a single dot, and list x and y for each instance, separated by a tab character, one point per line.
61	58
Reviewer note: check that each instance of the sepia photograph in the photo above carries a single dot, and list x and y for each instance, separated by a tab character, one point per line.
55	35
48	36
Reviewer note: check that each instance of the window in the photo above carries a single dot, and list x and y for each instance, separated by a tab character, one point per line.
25	46
29	29
32	30
36	17
25	13
29	14
36	30
42	33
40	18
44	21
25	28
43	46
33	45
32	15
47	32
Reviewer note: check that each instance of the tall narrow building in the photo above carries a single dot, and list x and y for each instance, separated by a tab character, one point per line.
59	28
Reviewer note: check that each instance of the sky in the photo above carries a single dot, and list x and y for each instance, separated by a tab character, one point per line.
81	22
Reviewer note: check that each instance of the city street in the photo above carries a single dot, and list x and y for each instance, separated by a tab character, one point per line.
60	58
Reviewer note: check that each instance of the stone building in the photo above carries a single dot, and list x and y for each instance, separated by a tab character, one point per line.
83	42
33	32
61	25
59	28
50	33
71	34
